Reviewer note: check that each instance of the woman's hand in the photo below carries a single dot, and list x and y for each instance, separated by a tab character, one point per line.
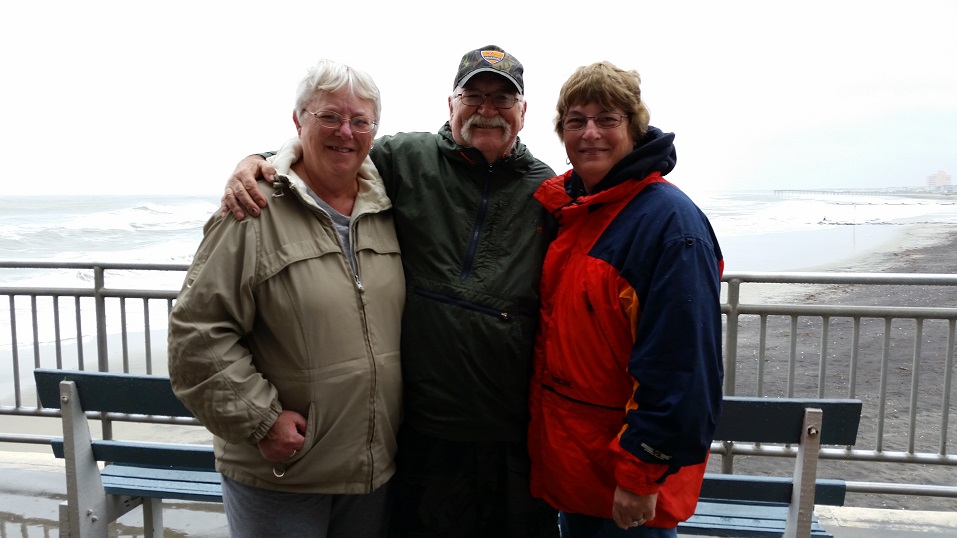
633	510
285	438
242	194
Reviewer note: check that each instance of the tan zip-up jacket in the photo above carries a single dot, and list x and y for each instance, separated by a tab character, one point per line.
272	317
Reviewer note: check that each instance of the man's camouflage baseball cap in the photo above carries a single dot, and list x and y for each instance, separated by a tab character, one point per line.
490	59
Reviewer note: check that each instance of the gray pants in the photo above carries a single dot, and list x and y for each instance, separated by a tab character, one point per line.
257	513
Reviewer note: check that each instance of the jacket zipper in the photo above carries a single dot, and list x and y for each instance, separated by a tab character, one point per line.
477	230
365	323
375	379
468	305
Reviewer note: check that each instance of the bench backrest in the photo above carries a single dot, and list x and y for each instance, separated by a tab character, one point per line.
779	420
130	394
136	473
758	505
112	392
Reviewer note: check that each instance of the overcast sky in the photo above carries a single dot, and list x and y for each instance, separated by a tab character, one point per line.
165	97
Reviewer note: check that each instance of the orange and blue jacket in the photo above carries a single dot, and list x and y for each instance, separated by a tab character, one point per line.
627	382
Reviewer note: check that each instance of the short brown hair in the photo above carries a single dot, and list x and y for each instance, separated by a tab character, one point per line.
609	86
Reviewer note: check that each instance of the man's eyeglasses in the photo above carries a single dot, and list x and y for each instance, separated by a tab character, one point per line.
500	100
605	120
331	120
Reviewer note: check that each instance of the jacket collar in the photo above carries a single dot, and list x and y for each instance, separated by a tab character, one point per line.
372	197
519	158
654	153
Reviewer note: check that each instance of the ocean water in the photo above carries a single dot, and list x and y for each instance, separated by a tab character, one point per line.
143	229
107	228
758	231
167	229
764	231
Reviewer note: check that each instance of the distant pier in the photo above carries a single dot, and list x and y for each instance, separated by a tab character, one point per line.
832	192
912	193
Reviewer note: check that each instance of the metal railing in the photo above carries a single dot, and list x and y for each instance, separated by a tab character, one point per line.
868	336
824	335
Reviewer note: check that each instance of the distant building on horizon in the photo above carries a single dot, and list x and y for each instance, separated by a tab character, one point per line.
939	182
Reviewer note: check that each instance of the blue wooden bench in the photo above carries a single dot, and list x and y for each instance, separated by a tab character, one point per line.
142	474
135	473
775	506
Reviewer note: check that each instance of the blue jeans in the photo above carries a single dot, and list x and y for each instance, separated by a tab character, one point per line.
579	526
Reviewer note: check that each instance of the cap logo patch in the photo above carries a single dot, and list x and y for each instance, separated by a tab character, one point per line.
493	56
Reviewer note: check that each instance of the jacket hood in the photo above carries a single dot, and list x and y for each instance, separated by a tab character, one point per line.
654	153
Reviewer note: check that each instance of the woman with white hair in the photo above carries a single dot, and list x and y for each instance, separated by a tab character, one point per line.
284	340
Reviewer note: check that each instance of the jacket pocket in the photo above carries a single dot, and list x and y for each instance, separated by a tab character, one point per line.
279	469
462	303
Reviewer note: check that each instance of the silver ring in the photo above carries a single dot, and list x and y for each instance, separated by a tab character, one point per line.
294	452
637	522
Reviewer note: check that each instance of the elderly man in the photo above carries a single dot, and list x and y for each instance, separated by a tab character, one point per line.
473	240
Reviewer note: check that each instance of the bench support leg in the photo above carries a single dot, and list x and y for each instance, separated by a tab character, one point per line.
801	508
64	519
152	518
87	512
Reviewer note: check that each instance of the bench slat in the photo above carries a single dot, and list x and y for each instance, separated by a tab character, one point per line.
112	392
162	483
156	454
779	420
153	473
768	488
747	520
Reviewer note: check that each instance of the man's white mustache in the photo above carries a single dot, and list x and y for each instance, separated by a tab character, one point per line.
481	121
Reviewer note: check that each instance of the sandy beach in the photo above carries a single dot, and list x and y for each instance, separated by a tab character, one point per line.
819	249
906	384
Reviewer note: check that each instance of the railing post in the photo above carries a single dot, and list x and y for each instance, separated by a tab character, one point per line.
731	336
102	354
15	350
948	379
103	362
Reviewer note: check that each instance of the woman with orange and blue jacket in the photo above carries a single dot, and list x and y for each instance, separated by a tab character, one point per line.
626	389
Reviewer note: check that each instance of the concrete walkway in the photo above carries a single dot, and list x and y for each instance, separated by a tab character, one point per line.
32	487
849	522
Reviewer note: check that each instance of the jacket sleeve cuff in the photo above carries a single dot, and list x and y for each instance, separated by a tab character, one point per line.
636	476
274	409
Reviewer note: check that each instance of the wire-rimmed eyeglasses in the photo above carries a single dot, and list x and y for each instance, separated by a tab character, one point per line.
605	120
331	120
500	100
